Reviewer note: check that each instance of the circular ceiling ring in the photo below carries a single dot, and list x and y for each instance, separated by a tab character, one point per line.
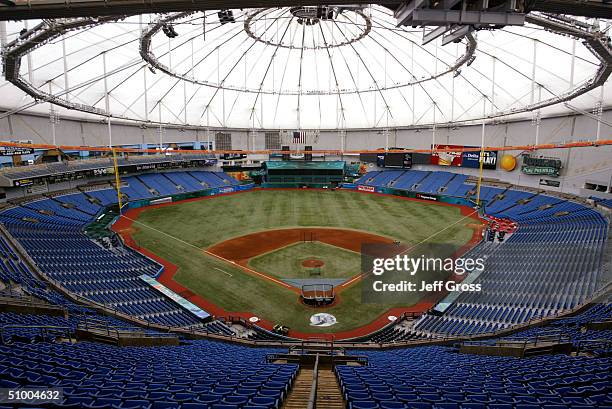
156	27
295	11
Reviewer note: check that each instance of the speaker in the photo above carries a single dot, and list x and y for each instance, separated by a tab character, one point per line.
308	156
284	149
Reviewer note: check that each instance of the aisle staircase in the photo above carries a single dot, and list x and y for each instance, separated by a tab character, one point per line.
328	390
300	391
329	395
316	384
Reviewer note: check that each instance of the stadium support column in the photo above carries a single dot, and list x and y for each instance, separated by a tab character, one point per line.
599	113
161	127
53	117
65	60
386	132
110	133
537	119
29	59
106	100
433	130
2	34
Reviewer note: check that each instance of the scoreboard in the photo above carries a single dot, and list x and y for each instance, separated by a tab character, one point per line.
394	160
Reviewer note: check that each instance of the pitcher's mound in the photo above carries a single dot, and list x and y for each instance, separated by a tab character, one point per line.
312	263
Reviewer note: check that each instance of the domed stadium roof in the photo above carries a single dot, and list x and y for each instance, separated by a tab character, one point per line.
292	68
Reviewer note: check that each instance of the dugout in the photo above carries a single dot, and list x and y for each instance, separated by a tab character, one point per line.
302	173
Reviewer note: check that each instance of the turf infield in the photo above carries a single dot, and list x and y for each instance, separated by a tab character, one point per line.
179	233
288	262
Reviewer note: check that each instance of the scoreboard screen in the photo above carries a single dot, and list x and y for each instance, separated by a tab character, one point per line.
394	160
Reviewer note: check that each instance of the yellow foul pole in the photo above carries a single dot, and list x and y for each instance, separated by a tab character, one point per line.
117	180
480	175
482	145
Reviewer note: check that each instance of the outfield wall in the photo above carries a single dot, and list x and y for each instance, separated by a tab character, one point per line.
183	196
413	195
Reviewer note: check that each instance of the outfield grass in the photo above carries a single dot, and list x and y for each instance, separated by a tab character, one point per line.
179	232
286	262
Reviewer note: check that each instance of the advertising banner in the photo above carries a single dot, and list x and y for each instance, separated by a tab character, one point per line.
183	303
364	188
471	160
450	158
15	150
422	196
463	159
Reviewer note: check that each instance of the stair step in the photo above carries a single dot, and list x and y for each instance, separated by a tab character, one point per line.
329	395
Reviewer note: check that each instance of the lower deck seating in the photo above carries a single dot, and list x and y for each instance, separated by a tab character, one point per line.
196	375
576	329
213	179
439	377
106	276
542	269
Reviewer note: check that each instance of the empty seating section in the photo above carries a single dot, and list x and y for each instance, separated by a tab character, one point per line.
456	186
435	181
448	183
135	189
109	277
81	202
148	186
105	197
543	268
227	179
550	264
208	179
52	235
21	213
573	327
50	205
160	183
197	375
367	178
14	272
488	193
385	178
506	201
185	180
603	202
409	179
439	377
30	327
214	179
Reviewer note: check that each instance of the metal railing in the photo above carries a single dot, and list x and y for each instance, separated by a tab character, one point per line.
45	331
591	345
312	398
537	340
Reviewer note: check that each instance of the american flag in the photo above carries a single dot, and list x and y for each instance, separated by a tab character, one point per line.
299	137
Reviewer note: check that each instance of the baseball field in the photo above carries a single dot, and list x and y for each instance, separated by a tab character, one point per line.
243	252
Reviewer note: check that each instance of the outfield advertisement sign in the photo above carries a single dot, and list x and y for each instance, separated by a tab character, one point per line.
183	303
364	188
448	158
423	196
469	159
226	190
15	150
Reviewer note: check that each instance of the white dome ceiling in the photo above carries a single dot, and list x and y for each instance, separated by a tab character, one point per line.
284	68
